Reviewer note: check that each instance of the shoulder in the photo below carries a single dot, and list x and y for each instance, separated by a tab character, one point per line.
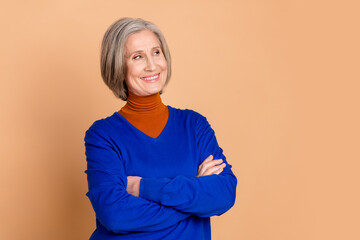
196	122
187	114
190	119
102	126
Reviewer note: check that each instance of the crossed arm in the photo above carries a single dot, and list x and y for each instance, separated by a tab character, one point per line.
116	209
208	167
162	202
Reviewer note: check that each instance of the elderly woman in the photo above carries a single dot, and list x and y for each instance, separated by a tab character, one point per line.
154	171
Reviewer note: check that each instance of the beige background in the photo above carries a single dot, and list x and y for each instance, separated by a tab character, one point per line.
278	81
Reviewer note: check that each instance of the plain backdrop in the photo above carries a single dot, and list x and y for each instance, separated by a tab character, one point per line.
277	80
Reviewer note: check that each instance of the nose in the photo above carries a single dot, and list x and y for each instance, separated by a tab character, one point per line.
150	64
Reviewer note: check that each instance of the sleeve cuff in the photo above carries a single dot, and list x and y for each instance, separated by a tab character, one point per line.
151	188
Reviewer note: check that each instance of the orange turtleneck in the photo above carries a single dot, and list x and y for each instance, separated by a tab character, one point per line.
146	113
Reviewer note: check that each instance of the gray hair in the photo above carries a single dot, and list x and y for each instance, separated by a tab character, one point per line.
112	62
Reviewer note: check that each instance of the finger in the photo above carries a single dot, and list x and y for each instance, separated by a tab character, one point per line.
219	171
205	167
214	169
212	163
208	159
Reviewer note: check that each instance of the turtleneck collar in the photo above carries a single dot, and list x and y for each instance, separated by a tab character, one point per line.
143	104
146	113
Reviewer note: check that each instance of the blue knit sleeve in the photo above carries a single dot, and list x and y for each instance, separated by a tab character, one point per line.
202	196
117	210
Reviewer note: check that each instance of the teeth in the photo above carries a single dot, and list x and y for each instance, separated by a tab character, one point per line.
151	78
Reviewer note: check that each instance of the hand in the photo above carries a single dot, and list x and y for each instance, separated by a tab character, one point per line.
133	185
210	166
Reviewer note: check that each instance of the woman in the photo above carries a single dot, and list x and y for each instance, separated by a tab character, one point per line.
154	172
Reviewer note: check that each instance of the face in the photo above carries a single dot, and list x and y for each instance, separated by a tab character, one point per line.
146	65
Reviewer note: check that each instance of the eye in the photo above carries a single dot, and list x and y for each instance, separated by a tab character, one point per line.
137	57
157	52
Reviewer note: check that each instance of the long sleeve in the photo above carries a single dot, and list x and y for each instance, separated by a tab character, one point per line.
117	210
202	196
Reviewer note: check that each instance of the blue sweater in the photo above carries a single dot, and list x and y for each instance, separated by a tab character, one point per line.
173	204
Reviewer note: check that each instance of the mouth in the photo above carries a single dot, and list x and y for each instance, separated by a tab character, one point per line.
151	77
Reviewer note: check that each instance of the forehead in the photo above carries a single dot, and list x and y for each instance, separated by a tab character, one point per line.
141	41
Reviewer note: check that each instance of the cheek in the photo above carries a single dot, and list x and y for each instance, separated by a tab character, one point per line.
164	64
130	76
164	69
133	71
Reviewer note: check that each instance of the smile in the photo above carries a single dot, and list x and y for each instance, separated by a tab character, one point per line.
149	78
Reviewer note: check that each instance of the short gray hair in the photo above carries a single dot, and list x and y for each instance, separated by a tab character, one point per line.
112	62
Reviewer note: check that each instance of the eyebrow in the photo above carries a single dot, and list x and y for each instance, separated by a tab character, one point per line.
139	51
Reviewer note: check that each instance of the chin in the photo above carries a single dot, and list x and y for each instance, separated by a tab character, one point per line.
155	90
